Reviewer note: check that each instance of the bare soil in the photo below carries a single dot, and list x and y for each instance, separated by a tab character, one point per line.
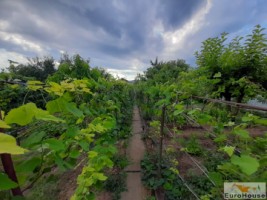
68	183
258	131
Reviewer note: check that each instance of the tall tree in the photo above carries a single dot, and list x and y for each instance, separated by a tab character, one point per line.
37	68
162	72
71	67
240	66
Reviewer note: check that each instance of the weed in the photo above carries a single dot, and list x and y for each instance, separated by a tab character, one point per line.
116	184
192	146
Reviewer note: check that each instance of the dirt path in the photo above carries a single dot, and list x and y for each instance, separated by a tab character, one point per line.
135	151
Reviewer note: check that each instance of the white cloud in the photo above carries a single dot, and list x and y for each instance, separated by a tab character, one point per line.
20	41
6	55
124	73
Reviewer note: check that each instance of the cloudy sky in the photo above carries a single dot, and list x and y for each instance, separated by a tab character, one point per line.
120	35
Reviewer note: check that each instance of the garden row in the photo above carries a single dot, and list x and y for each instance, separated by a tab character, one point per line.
82	129
194	148
200	132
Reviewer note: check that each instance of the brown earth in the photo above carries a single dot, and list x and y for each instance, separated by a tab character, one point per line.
68	183
135	151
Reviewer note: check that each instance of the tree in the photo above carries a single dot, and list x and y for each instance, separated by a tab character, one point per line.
162	72
37	68
71	67
239	66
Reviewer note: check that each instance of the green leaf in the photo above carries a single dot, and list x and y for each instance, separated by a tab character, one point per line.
228	149
192	112
9	145
54	144
177	112
34	85
72	131
22	115
204	119
242	133
246	119
167	186
92	154
2	114
217	75
262	121
100	176
216	178
179	107
109	123
3	124
220	138
55	106
74	154
61	105
80	120
45	116
33	139
60	162
230	124
247	164
6	183
28	165
249	118
71	107
84	145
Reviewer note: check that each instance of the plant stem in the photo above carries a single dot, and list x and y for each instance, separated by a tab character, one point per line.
9	168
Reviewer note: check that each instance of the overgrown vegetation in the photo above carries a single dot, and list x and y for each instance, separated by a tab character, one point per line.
234	71
78	115
84	112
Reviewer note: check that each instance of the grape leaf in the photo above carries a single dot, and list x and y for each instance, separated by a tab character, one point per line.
228	149
61	105
55	88
71	107
242	133
177	112
216	178
99	176
3	124
74	153
54	144
6	183
22	115
28	165
217	75
72	131
8	145
45	116
33	139
262	121
55	106
2	113
34	85
247	164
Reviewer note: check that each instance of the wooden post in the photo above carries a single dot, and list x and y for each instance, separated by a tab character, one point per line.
162	121
9	168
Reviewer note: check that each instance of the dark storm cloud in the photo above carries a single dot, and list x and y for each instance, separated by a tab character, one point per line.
175	13
116	33
132	21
